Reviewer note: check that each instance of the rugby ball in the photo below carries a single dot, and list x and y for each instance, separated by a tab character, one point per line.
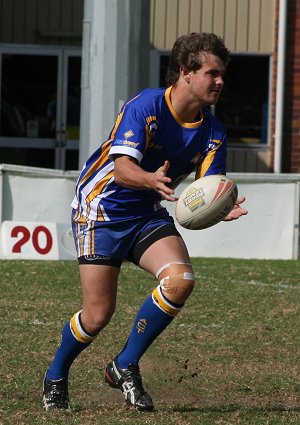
206	202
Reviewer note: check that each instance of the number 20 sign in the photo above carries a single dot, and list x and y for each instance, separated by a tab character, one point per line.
25	240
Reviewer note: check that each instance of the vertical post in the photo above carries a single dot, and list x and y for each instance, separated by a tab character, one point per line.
279	113
115	51
1	193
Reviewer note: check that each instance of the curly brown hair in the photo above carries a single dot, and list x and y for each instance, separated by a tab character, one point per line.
186	51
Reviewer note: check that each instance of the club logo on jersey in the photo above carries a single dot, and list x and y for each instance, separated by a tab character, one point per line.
214	144
194	199
128	134
153	128
152	125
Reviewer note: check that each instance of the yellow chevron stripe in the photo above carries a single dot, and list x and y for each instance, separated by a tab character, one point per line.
201	171
98	189
97	164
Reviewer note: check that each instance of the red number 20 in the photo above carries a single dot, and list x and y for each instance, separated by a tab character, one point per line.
35	239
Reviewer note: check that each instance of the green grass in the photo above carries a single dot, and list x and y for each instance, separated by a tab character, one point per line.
230	357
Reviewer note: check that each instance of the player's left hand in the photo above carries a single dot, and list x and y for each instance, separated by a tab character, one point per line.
237	210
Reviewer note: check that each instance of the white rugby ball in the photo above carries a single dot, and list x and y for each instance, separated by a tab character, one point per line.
206	202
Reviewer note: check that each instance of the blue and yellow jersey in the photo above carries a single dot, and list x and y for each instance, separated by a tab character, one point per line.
149	130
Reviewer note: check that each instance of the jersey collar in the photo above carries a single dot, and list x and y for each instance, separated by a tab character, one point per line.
176	116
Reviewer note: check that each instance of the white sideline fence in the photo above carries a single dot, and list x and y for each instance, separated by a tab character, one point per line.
35	217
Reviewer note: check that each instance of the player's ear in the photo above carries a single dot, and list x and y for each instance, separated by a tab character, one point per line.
185	74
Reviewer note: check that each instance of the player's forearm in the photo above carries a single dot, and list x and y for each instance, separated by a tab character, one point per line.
131	175
139	180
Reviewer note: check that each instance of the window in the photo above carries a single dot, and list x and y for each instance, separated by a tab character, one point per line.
40	106
28	85
243	105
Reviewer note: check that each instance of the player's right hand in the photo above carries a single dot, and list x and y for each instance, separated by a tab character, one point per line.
161	181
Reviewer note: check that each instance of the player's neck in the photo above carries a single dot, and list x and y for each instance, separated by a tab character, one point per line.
186	109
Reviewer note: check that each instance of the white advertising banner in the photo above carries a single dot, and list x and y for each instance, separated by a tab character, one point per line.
35	215
269	231
28	196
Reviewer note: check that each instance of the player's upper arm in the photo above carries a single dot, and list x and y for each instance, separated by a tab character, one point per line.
129	135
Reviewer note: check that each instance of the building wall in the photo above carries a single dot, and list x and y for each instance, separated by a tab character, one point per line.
57	22
291	131
245	25
249	26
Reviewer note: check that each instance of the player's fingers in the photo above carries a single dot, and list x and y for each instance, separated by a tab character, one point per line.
240	200
162	187
167	197
164	168
236	213
242	211
163	181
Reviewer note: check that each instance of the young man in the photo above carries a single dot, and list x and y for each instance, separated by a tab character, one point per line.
160	137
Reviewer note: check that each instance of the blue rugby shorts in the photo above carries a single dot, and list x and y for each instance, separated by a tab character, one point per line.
106	242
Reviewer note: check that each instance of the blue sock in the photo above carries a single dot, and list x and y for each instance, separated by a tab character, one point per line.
149	323
70	347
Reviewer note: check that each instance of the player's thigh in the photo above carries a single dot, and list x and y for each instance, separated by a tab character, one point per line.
99	291
170	249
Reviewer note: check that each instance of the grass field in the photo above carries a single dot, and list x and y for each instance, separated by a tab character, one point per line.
230	357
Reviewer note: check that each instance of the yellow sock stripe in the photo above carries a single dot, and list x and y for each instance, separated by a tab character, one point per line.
160	301
77	330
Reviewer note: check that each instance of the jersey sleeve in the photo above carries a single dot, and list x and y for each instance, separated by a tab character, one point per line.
129	136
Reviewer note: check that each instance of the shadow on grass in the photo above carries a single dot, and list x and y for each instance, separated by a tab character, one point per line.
223	408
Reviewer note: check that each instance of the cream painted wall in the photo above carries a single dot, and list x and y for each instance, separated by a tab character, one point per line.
245	25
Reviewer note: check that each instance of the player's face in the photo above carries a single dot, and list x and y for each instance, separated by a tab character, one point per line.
206	84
